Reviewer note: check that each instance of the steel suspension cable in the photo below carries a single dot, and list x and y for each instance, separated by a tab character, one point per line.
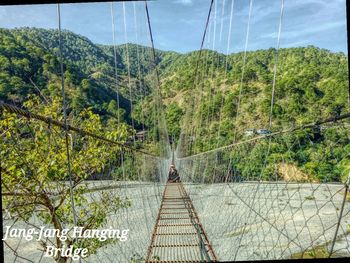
28	114
161	117
222	18
243	68
226	67
288	130
115	60
152	45
138	61
148	52
212	86
269	141
276	62
229	36
197	129
191	107
128	68
225	75
71	192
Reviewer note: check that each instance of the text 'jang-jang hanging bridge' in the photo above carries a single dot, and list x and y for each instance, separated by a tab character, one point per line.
222	190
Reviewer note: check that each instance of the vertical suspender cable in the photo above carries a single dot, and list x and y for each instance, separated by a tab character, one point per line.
128	68
243	67
115	59
276	61
226	60
199	56
212	86
156	92
222	18
116	87
199	82
138	65
270	138
159	95
148	54
229	37
226	67
65	116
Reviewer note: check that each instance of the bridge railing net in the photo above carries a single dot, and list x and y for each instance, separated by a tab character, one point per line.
64	166
277	196
113	187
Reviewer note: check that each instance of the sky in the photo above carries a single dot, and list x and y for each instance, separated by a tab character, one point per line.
178	25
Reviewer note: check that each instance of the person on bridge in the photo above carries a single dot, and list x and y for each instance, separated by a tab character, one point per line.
173	175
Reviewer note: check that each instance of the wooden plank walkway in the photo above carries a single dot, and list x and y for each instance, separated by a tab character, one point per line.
178	235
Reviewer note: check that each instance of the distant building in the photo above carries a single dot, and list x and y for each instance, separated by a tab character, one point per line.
263	131
249	132
141	136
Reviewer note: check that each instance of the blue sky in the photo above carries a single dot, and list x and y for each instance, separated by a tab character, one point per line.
178	24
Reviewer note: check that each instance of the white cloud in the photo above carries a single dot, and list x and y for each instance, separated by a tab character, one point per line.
184	2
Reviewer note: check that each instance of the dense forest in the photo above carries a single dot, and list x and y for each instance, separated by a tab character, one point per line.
230	98
209	100
34	154
200	96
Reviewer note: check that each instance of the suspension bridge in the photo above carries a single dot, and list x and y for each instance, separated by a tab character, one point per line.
58	174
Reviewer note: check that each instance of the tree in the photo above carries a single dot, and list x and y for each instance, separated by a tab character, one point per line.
35	177
173	116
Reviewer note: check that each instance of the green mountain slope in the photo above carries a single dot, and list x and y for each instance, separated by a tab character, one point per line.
223	96
306	78
30	64
311	83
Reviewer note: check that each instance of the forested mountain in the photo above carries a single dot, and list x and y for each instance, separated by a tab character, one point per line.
29	63
311	83
225	98
138	57
306	77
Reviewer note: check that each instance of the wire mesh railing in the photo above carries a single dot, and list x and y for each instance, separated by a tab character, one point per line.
277	196
107	193
76	182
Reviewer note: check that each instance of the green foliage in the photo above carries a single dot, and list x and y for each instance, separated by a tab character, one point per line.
34	169
30	65
173	116
311	83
